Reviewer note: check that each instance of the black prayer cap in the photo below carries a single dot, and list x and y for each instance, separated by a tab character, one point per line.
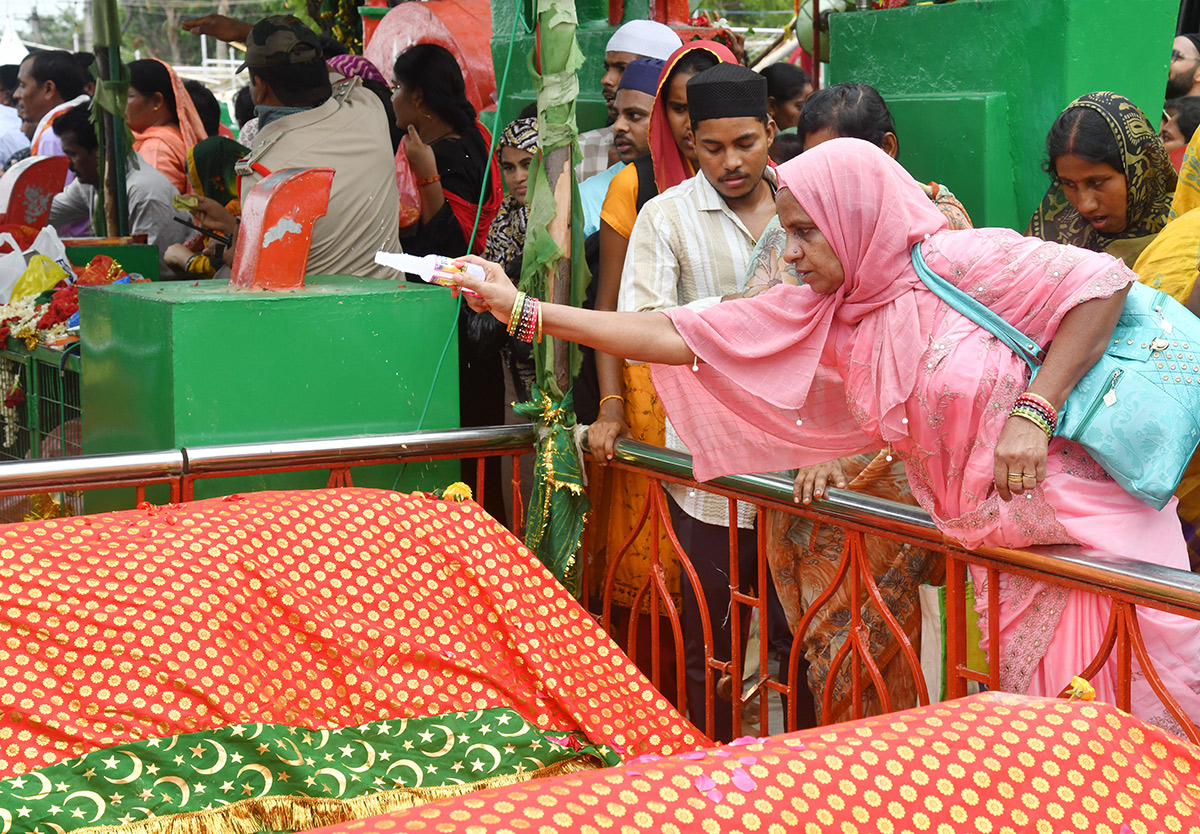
727	91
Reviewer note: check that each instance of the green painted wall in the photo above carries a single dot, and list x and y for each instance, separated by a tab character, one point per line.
975	86
170	365
593	34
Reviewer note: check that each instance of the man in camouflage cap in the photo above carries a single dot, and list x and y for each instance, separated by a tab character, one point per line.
280	40
305	121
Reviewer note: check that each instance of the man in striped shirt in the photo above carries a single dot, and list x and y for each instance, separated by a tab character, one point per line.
691	245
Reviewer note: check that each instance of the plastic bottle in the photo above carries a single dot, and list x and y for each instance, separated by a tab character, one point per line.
432	269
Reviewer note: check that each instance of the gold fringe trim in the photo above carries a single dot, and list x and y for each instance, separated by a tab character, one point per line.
300	813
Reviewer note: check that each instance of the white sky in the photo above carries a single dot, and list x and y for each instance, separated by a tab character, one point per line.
18	11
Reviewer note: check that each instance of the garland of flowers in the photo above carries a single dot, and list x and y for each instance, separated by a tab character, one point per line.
14	398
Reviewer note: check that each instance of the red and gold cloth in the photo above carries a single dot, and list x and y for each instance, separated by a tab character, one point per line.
322	609
996	763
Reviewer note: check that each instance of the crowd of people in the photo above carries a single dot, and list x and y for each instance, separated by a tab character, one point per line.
772	224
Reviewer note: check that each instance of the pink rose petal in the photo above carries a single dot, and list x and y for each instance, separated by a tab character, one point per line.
715	795
704	783
742	780
693	755
748	760
725	754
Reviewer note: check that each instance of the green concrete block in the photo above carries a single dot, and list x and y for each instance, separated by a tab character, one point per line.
171	365
976	124
1037	54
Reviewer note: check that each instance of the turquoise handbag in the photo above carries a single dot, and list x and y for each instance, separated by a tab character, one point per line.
1137	411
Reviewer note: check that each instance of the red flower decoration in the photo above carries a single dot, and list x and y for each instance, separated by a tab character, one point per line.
15	398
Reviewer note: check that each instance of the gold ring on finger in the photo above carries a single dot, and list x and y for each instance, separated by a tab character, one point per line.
1015	479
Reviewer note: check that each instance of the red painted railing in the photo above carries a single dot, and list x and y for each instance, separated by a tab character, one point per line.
1129	585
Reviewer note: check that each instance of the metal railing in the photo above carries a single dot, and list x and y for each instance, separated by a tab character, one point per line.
1128	584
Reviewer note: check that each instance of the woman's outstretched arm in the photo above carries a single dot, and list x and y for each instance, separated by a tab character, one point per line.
643	337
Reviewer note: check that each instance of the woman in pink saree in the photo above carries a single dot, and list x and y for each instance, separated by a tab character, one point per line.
865	355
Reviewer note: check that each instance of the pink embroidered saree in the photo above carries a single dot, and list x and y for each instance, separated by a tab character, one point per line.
791	378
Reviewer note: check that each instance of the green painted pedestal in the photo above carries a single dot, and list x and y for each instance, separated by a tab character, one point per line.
975	85
171	365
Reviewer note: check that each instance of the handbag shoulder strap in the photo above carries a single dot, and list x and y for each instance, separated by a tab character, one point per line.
1022	345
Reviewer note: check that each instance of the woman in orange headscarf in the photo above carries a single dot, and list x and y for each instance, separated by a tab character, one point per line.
163	119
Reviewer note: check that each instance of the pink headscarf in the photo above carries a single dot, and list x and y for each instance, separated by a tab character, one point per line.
845	364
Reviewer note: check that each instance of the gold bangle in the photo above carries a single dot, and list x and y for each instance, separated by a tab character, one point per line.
603	400
429	180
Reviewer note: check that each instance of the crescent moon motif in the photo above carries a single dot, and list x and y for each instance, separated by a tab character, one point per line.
222	759
257	733
7	818
338	776
524	728
370	758
266	775
449	742
92	795
43	781
420	774
134	775
57	829
177	782
495	753
536	764
298	761
174	741
324	739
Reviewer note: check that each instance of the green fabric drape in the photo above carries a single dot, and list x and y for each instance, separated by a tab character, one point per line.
554	527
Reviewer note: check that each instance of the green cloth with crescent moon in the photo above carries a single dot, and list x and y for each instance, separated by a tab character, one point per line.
244	768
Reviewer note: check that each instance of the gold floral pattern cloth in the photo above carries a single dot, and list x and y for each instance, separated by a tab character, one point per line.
996	763
322	609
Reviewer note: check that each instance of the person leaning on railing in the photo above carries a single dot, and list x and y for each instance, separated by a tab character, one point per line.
865	355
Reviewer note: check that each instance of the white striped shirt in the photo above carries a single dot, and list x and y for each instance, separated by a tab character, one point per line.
688	248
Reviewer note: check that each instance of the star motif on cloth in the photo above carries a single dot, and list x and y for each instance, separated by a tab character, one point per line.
310	762
226	787
55	809
262	748
464	738
19	782
520	768
283	776
24	811
152	769
430	769
384	755
383	729
329	757
110	762
115	799
310	781
178	760
89	773
236	758
456	767
377	781
503	719
426	736
239	731
476	766
485	728
154	742
197	751
75	812
125	820
61	786
146	794
291	731
166	798
247	790
306	738
508	748
281	744
199	787
346	751
408	745
536	744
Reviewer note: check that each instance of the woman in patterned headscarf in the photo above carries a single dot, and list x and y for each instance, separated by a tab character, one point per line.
1112	179
515	150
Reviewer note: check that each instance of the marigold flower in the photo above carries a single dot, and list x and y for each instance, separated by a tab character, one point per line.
457	491
1080	690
